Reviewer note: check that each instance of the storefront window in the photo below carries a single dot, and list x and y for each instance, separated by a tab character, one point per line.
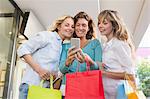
6	43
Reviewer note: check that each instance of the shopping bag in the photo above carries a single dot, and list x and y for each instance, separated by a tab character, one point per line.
37	92
141	95
136	95
84	85
131	91
121	92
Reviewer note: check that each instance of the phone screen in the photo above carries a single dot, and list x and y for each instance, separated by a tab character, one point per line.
75	42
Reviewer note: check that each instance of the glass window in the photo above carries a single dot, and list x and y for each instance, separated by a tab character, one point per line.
6	7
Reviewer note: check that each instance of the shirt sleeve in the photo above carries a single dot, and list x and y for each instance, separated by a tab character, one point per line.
123	54
64	69
34	43
97	54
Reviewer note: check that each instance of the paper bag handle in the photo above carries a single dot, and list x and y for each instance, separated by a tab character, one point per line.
130	82
51	82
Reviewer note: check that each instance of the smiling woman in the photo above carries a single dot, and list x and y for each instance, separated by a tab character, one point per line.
89	47
136	16
118	51
63	27
42	53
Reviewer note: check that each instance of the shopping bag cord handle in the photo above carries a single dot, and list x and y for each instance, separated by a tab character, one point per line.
87	63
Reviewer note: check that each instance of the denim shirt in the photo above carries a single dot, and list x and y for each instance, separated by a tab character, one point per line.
45	48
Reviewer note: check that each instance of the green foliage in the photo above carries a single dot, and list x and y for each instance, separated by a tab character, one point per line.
144	76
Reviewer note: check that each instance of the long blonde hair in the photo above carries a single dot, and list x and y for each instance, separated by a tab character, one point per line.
118	26
58	22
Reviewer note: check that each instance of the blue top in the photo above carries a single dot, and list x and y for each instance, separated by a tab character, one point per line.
93	49
45	48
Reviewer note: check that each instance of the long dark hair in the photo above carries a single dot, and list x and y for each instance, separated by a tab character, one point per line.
91	33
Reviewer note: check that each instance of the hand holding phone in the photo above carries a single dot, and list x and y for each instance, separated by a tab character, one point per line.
75	42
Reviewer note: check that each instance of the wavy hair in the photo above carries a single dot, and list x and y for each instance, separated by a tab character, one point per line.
91	33
58	22
119	28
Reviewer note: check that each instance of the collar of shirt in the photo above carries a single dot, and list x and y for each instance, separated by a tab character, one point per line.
66	41
108	44
57	36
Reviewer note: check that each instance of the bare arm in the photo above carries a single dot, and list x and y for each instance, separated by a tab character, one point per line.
117	75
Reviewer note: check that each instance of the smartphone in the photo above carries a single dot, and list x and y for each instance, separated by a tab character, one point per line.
75	42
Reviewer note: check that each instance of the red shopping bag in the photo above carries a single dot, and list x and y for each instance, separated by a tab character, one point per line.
84	85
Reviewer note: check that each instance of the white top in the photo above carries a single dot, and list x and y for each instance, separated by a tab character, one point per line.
45	48
117	56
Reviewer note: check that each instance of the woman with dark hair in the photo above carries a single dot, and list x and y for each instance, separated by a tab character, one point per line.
90	47
91	27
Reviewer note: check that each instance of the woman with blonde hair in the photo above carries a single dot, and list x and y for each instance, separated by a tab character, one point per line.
42	53
118	51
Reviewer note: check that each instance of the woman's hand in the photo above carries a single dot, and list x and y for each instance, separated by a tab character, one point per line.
43	73
90	60
80	56
71	55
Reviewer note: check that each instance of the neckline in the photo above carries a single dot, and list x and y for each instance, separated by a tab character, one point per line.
88	41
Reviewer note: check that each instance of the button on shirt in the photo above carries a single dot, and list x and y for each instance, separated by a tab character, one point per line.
45	48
